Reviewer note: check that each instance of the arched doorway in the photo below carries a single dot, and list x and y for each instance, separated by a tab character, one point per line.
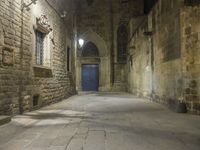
90	67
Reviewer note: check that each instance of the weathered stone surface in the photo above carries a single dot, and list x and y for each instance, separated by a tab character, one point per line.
18	82
165	64
190	49
7	56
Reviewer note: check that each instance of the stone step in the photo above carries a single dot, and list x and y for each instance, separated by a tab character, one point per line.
4	120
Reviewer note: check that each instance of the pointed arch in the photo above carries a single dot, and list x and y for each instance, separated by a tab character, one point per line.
90	50
91	36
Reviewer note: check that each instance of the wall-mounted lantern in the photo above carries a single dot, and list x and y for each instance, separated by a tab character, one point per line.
26	6
81	42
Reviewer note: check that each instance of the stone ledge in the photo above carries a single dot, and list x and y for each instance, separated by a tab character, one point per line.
41	71
4	120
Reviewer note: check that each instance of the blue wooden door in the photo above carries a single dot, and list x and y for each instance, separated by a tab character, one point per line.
90	77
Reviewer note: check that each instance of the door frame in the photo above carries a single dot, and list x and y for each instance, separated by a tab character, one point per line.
98	64
87	61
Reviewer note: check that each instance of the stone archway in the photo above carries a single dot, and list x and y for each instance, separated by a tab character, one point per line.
96	53
96	39
90	50
90	67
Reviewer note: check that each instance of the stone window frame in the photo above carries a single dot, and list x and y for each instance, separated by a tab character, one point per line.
43	26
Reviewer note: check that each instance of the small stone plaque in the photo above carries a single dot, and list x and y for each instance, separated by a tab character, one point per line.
7	56
42	72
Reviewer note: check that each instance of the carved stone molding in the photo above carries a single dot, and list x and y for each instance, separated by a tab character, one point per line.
42	24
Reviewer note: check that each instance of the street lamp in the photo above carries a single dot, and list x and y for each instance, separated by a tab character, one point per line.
81	42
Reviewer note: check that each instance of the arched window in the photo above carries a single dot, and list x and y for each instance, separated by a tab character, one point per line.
122	42
90	50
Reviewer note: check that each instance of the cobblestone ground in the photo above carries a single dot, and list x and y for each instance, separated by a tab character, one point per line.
102	121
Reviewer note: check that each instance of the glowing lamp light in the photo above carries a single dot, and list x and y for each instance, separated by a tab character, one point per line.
81	42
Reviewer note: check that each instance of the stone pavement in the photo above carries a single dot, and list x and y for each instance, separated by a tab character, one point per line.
102	121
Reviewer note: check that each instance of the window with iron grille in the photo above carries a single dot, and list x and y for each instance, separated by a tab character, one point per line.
39	50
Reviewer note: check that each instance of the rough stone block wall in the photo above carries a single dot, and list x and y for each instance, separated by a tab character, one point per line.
167	50
190	33
176	38
165	30
18	81
139	76
15	70
60	86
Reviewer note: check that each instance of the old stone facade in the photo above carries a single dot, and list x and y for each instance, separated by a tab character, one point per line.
152	53
23	84
98	22
164	57
190	40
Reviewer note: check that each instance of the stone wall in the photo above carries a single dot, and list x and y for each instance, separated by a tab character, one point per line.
15	74
139	62
167	50
20	80
164	54
156	53
190	34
